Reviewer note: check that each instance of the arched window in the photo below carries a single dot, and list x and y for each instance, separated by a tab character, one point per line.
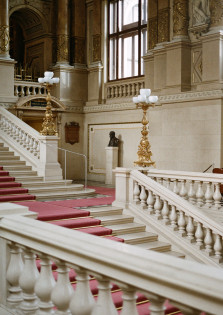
127	33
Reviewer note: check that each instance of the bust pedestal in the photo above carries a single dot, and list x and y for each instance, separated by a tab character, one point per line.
111	163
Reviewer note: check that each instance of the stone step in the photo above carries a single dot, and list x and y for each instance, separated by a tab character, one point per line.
18	173
28	179
126	228
2	148
11	162
140	237
58	195
9	154
105	211
48	188
17	168
42	183
156	246
115	219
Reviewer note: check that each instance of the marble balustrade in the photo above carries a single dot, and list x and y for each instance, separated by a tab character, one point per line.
191	286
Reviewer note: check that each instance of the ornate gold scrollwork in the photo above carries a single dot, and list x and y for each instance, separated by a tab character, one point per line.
62	48
180	18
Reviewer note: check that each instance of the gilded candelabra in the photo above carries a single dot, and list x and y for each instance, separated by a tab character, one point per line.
48	121
144	101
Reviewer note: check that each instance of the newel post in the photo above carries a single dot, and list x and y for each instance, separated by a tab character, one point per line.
123	187
49	166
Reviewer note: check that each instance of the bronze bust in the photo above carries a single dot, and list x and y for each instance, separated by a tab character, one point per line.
113	142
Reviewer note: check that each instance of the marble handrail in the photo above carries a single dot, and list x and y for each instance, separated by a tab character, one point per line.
192	286
178	214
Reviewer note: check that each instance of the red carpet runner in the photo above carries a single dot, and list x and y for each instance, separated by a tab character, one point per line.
11	191
65	213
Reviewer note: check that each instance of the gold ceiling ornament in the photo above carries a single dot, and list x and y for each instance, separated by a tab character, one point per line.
48	121
144	101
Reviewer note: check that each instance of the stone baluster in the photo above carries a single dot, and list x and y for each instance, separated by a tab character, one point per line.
208	195
183	189
176	187
31	142
112	91
27	141
208	241
181	223
191	192
16	90
218	247
129	301
27	282
24	139
38	149
104	304
136	193
34	148
17	133
173	217
165	211
156	306
190	228
82	301
150	201
158	207
22	93
199	236
168	183
14	270
62	291
44	286
217	196
143	197
200	194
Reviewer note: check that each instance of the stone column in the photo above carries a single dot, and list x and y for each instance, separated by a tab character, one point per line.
62	33
180	18
4	29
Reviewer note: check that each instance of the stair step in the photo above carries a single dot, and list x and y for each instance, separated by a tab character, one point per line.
13	191
104	211
54	195
156	246
14	198
141	237
30	179
17	167
8	154
133	227
11	163
29	184
115	219
4	149
22	173
9	184
47	188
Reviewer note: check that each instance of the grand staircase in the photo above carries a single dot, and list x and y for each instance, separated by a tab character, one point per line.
19	182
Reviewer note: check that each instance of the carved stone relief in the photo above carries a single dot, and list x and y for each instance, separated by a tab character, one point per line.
199	18
197	65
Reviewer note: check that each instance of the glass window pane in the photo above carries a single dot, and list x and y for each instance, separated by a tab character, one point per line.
128	12
144	12
112	59
136	56
143	47
113	17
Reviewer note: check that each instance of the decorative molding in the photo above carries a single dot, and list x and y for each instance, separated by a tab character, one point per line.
190	96
108	107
